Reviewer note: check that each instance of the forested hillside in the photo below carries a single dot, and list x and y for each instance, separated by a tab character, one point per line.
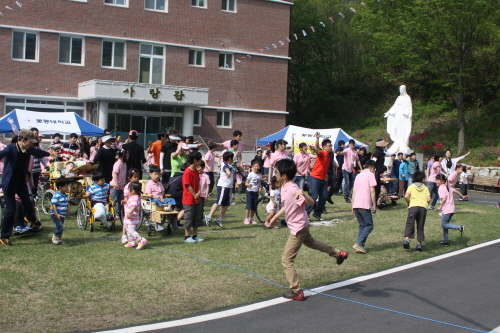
347	73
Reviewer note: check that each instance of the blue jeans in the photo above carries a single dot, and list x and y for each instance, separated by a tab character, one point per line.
433	190
445	223
410	180
300	180
166	201
365	222
348	183
59	225
117	198
317	188
266	171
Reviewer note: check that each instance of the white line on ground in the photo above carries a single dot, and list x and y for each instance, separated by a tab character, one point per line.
490	202
275	301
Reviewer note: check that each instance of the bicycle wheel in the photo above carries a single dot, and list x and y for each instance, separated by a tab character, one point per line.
46	205
261	212
242	192
82	214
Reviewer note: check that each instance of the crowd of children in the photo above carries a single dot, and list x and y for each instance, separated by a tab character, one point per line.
181	181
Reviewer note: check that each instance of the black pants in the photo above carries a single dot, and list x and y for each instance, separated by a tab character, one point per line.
212	180
10	206
165	177
416	215
377	188
332	182
36	178
463	189
339	178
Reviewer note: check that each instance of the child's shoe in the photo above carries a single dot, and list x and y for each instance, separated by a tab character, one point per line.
342	256
198	239
141	244
124	239
167	208
57	240
219	222
419	247
298	296
406	245
190	240
253	221
131	244
208	219
247	221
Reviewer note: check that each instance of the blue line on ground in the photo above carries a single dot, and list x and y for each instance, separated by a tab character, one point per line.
312	291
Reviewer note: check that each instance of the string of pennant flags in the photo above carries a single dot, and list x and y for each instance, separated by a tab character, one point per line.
19	5
13	6
295	36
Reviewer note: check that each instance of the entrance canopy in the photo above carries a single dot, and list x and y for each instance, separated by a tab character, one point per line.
49	123
308	135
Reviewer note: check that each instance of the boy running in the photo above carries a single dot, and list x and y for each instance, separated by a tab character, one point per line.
417	198
294	200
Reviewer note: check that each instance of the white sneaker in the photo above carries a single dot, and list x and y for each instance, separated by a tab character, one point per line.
233	203
124	239
431	207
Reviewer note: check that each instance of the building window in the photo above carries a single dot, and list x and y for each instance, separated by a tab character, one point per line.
226	60
113	54
122	3
199	3
71	50
197	118
151	62
24	46
229	5
160	5
223	118
197	58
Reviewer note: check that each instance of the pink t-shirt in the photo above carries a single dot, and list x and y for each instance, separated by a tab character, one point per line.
446	192
155	189
133	201
452	179
364	181
303	162
295	209
434	172
350	156
209	161
120	169
125	191
227	145
266	158
204	182
93	152
151	159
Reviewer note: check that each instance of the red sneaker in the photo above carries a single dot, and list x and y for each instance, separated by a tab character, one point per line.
298	296
342	256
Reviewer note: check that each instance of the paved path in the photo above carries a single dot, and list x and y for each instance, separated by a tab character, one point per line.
455	292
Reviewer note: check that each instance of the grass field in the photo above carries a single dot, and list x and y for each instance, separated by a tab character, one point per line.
92	282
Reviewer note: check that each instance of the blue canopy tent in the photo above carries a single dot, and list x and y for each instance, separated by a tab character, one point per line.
308	135
49	123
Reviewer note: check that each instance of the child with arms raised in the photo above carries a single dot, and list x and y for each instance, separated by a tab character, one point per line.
294	201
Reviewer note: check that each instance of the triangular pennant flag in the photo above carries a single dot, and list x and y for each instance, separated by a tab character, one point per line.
312	28
353	10
274	45
1	14
324	26
364	4
288	40
331	20
342	15
8	7
281	43
19	4
249	56
227	66
238	60
261	50
268	48
295	35
303	32
243	57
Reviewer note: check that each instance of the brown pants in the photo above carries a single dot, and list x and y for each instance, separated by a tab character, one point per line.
403	184
293	246
416	215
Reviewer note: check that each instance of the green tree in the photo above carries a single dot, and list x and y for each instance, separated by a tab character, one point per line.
456	41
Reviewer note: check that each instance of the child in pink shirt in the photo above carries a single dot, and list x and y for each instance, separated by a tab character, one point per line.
294	200
204	184
363	199
431	181
118	182
132	176
209	165
132	216
447	208
156	190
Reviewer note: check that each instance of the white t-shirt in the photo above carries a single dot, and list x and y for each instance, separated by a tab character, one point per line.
225	180
254	181
277	197
463	178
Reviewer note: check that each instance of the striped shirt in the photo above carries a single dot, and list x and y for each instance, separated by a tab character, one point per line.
134	201
99	193
60	201
70	151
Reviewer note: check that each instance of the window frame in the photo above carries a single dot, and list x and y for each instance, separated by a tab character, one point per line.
197	4
157	10
225	61
82	63
230	113
200	121
113	54
227	6
115	5
196	56
37	47
152	56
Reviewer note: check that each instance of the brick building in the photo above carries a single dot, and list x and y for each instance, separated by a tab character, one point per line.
150	65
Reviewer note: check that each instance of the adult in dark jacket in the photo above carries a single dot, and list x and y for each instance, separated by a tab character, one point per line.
135	158
106	157
166	151
16	160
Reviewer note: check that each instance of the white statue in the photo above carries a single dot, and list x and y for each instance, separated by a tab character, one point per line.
399	122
